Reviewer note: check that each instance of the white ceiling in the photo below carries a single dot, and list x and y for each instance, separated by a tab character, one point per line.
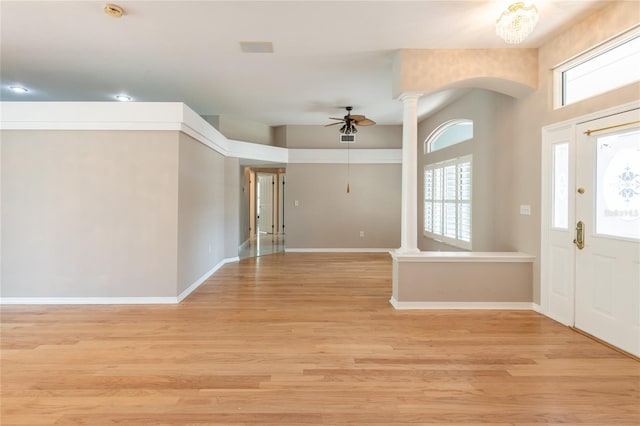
327	54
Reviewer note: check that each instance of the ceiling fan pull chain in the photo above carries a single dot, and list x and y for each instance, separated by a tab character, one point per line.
348	167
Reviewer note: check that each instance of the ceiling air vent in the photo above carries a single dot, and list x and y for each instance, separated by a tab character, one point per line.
256	46
348	138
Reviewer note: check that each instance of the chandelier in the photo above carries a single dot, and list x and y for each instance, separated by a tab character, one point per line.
516	23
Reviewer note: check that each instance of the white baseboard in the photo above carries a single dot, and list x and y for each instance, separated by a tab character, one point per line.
338	250
520	306
115	300
203	278
87	300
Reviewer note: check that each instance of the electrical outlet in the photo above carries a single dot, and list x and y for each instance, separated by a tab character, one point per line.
296	203
362	233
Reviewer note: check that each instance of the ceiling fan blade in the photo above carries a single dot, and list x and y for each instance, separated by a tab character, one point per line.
333	124
365	122
357	117
334	118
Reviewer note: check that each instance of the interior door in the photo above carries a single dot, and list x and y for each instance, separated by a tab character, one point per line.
264	195
607	236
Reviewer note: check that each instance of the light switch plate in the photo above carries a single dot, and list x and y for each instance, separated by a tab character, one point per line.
525	209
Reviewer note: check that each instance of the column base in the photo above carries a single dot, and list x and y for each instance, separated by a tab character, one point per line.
404	250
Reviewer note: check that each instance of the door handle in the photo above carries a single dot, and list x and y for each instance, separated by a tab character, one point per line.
579	240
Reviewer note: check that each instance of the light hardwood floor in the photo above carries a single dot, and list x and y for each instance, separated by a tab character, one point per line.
306	339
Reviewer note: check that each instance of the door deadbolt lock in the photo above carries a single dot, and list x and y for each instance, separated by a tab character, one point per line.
581	190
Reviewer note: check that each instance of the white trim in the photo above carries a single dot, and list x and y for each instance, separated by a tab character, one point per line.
519	306
463	257
204	278
91	115
167	116
339	156
243	245
87	300
338	250
116	300
629	106
256	151
171	116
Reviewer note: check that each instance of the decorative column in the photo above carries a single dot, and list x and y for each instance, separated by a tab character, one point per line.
409	215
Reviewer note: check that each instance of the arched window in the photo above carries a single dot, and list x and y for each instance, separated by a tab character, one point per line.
449	133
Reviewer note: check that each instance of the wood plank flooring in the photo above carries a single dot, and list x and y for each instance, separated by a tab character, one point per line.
305	339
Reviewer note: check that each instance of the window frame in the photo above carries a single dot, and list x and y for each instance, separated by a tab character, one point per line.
441	237
559	81
438	131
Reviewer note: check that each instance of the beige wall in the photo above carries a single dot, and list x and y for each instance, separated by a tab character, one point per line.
464	282
232	194
328	217
240	129
492	138
280	136
89	213
113	213
509	71
201	210
321	137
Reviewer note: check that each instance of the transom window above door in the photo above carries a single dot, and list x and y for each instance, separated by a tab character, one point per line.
599	70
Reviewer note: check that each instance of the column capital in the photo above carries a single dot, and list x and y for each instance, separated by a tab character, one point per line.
406	96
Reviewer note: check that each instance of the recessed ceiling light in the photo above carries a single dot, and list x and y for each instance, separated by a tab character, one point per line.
19	89
256	46
123	98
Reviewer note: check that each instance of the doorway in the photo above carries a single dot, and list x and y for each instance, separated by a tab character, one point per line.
265	205
591	227
266	212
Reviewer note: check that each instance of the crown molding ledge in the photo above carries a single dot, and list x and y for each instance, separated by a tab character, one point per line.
171	116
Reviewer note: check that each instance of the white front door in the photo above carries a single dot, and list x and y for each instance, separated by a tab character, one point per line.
607	223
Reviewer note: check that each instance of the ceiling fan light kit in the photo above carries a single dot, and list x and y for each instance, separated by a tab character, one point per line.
349	122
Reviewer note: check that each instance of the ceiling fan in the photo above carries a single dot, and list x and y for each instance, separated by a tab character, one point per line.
349	122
